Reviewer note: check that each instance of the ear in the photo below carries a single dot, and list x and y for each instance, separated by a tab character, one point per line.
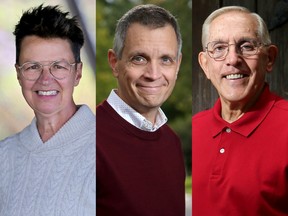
18	74
179	60
202	59
78	74
272	54
112	60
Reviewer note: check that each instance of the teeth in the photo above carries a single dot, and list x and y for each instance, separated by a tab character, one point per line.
235	76
47	93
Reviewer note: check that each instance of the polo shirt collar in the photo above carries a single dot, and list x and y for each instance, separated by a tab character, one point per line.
249	121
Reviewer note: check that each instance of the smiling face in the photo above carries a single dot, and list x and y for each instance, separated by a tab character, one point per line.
48	96
237	79
147	70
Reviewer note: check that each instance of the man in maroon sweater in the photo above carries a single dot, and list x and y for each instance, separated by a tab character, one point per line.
140	166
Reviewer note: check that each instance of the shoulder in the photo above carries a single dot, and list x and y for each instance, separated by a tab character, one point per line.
281	104
9	141
84	117
105	113
9	149
201	120
102	107
168	129
169	133
86	111
206	114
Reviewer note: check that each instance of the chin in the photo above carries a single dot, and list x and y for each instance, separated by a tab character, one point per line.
45	111
152	105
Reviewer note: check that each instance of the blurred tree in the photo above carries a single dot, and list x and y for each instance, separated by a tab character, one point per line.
178	106
104	79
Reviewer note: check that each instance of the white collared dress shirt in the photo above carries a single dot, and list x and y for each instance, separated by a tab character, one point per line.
132	116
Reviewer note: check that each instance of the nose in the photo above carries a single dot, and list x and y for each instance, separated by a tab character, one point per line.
45	76
232	57
153	71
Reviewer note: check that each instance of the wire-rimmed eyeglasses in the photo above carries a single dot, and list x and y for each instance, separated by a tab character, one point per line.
218	50
58	69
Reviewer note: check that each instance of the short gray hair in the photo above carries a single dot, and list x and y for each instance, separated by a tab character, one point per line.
261	32
149	15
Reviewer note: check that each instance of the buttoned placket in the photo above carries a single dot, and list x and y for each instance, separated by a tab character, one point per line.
222	153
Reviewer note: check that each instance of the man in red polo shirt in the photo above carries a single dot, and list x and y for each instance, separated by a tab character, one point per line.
240	146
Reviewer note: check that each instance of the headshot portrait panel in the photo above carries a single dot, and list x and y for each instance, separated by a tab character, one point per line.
239	92
145	64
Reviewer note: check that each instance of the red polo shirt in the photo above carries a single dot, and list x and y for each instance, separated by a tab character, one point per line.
241	168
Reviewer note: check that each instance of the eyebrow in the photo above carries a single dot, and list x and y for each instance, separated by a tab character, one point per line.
239	40
137	53
144	54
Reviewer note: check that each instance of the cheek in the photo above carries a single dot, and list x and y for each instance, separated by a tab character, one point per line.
121	69
212	71
26	89
173	76
258	69
68	86
26	85
172	79
128	74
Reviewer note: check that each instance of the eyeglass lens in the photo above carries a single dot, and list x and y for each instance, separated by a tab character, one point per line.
58	69
219	50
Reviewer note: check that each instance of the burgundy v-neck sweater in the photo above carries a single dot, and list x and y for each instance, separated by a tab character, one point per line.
139	173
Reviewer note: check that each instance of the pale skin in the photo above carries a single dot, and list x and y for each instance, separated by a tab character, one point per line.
237	95
148	68
51	111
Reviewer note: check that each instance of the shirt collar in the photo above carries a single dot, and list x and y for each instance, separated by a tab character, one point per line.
132	116
250	120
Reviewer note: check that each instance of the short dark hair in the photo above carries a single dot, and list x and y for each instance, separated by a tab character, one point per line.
149	15
49	22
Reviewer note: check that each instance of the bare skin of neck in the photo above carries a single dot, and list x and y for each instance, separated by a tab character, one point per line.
48	125
231	115
232	111
148	112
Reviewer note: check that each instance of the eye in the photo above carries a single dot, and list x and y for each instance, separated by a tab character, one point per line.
167	60
247	46
31	67
139	60
56	66
219	47
60	66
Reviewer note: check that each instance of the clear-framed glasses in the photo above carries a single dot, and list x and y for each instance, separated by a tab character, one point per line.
58	69
218	50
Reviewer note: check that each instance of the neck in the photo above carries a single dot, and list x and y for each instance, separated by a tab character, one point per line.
231	115
48	125
150	116
149	113
232	111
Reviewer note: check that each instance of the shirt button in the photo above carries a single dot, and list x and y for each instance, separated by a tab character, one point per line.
222	150
228	130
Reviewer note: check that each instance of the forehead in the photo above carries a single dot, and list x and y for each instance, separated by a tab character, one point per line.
138	33
34	46
233	25
142	38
